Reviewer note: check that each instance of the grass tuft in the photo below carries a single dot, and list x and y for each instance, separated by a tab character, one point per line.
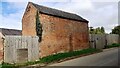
7	65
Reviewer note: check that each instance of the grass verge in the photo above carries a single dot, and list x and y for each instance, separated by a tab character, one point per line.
7	65
113	45
53	58
60	56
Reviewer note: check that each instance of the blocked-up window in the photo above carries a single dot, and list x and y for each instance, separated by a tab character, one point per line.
22	55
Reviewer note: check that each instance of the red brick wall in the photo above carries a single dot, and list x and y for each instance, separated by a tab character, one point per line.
1	47
59	35
62	35
28	21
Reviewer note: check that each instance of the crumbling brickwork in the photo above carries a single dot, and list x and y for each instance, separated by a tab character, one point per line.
58	35
62	35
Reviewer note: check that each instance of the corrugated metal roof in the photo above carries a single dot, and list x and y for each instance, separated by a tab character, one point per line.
58	13
5	31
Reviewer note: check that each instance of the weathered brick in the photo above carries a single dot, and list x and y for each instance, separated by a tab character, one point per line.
1	47
59	34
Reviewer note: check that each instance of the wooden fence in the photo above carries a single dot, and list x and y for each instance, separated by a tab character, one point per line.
19	49
99	41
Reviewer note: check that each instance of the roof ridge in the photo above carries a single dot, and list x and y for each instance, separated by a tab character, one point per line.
52	8
9	29
58	13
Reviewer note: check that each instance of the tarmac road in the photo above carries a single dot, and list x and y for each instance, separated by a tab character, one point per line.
109	57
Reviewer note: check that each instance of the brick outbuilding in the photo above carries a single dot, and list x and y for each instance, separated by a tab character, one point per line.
58	31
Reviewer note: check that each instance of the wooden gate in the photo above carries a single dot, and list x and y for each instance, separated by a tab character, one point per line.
19	49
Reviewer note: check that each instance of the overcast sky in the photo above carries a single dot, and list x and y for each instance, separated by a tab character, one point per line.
97	12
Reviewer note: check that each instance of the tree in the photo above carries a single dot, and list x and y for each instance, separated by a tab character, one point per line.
99	30
91	30
102	30
116	30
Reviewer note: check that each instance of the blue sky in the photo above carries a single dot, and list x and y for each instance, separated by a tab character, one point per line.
98	12
6	9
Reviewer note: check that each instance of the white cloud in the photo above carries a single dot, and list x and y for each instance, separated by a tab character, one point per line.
105	0
1	20
59	0
98	13
106	16
35	0
18	5
11	21
72	7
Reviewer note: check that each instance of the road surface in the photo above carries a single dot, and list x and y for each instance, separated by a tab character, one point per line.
109	57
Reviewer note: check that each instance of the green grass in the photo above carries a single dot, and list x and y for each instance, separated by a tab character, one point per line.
7	65
60	56
113	45
53	58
